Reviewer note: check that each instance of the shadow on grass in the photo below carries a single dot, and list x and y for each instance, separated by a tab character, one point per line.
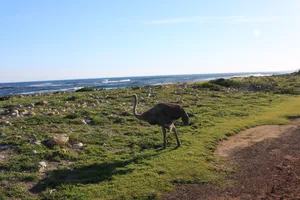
94	173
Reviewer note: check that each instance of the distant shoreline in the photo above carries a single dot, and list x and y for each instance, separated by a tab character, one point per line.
43	87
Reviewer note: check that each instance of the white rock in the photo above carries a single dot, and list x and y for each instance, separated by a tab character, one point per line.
15	115
78	145
43	164
33	152
15	111
37	142
59	140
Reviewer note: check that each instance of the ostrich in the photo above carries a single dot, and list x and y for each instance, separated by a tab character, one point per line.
164	115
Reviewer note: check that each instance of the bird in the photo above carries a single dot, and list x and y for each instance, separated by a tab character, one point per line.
164	115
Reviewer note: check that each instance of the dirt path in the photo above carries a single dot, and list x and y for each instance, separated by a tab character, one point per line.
267	166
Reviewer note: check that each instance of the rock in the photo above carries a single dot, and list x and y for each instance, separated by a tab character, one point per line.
92	105
15	111
180	101
42	164
31	113
15	106
2	112
5	123
59	140
33	152
78	145
18	137
31	105
37	142
50	113
14	115
83	121
43	102
4	147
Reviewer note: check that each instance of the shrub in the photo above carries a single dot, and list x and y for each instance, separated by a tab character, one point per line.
209	86
224	82
85	89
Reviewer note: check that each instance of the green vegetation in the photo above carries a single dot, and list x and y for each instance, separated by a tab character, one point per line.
119	157
85	89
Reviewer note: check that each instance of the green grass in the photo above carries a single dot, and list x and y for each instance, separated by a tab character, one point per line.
119	159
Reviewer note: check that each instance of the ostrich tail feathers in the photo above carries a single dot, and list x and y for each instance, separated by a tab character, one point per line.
185	118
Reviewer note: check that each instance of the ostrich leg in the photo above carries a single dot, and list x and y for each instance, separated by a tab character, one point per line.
165	137
175	133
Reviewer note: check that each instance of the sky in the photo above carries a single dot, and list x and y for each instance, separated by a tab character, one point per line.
70	39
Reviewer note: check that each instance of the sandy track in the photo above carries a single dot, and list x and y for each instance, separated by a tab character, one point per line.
267	166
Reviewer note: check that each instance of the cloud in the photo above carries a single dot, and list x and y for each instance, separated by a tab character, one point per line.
254	20
228	19
256	33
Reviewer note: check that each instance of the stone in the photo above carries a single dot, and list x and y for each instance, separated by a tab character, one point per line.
92	105
31	113
43	164
59	140
43	102
14	115
5	123
15	111
31	105
37	142
15	106
33	152
51	113
78	145
180	101
4	147
83	121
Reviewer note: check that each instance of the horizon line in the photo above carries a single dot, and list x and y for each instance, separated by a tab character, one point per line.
285	71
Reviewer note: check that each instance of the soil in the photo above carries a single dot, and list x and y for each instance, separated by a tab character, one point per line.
266	162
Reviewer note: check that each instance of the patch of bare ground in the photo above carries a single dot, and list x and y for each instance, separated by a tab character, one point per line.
267	166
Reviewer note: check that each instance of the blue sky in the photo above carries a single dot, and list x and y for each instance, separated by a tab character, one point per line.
46	40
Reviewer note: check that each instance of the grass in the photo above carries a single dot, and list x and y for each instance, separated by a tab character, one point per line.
119	159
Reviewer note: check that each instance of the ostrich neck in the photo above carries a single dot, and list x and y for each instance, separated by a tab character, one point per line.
134	108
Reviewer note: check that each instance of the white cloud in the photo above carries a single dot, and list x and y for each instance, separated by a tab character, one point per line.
256	33
254	20
236	19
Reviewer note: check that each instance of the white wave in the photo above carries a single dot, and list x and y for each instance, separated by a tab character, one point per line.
106	81
256	75
48	85
49	91
41	85
70	89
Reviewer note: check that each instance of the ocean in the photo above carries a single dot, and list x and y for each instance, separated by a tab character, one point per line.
26	88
